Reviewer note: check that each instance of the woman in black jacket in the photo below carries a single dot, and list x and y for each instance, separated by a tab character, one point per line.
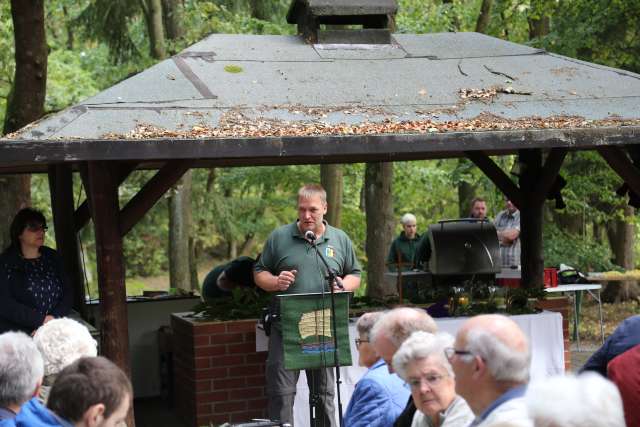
33	286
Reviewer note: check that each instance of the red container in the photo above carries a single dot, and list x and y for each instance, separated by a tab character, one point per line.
508	283
550	277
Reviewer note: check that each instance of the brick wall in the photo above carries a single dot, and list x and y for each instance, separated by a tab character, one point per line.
218	376
561	305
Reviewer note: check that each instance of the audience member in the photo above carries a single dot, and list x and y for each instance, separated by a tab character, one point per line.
491	360
626	335
478	208
21	370
91	392
388	334
61	342
422	363
33	285
624	371
404	246
569	401
508	227
224	278
379	396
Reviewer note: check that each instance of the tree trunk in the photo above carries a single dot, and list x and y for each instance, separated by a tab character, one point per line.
25	102
153	17
179	231
621	234
539	19
484	17
466	192
379	213
26	99
331	180
172	16
259	9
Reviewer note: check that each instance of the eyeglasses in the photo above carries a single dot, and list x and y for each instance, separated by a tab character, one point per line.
432	380
450	352
34	227
360	341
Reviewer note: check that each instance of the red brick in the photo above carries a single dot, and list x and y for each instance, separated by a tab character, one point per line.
227	407
242	326
204	409
246	393
227	338
225	384
261	381
243	371
230	360
202	363
250	337
243	348
216	396
209	328
216	373
214	350
257	357
203	386
258	403
201	340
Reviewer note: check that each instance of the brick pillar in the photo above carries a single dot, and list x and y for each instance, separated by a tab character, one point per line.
560	305
219	376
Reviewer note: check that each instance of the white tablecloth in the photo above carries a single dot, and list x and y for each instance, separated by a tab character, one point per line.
547	358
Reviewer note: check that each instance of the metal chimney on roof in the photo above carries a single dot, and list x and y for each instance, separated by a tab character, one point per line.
374	17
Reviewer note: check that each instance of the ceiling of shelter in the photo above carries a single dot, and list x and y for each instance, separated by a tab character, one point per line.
230	86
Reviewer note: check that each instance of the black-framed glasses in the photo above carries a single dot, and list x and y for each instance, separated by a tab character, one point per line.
360	341
450	352
35	227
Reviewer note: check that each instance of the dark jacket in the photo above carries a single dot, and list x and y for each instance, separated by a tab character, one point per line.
626	336
404	248
17	305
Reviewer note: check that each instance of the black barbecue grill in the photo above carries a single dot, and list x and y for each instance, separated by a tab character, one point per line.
464	247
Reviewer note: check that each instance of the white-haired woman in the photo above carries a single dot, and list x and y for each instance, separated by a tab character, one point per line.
422	363
61	342
379	397
575	401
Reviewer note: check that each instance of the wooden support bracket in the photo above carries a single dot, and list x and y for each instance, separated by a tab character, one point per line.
151	192
549	173
622	165
496	175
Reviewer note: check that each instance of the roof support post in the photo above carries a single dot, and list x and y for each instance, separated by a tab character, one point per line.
531	258
61	189
149	194
82	214
102	190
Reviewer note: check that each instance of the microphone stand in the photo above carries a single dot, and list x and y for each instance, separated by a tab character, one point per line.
331	277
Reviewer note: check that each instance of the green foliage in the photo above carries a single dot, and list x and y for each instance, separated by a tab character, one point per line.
582	253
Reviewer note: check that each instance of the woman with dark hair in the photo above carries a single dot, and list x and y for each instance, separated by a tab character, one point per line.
33	286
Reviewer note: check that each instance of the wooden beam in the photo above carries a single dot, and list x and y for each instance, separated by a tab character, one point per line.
549	173
496	175
82	214
622	165
61	190
531	214
114	325
151	192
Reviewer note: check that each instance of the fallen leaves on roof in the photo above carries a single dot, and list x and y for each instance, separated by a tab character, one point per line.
237	125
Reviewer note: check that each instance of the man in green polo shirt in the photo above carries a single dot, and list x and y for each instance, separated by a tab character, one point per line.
289	265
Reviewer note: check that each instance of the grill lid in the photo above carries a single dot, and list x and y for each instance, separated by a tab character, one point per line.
464	246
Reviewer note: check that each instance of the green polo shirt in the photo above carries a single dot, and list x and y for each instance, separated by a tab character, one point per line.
286	249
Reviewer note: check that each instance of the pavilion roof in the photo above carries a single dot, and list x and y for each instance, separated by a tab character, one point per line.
256	99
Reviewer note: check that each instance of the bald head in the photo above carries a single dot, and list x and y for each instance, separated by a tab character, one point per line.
395	326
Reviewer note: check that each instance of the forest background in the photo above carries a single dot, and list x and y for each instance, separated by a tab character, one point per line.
90	45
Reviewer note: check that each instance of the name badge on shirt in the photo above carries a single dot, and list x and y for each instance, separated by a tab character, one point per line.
329	252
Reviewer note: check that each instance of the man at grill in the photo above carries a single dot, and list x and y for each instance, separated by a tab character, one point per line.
289	265
478	208
508	226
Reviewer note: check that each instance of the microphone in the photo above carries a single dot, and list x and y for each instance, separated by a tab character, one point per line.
310	236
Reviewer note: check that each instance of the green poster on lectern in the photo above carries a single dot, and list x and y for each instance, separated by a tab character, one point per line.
307	330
